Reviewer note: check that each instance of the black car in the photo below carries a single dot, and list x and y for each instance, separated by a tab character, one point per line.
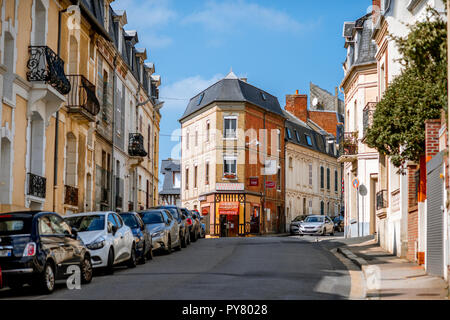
142	237
179	215
38	247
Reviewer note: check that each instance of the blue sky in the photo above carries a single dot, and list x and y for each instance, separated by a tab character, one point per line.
280	46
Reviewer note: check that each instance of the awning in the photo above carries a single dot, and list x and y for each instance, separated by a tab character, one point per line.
229	208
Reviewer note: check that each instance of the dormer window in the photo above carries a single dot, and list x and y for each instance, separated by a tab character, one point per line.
263	95
308	140
200	98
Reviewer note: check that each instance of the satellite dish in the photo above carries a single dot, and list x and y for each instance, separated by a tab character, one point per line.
315	102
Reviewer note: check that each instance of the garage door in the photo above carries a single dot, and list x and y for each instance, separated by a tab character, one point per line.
435	217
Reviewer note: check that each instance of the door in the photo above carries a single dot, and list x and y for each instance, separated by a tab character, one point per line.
233	225
435	217
168	229
125	240
223	225
71	245
115	237
52	243
254	220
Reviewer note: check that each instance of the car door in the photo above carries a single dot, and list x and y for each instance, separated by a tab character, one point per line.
145	233
123	253
114	237
330	225
127	237
174	228
167	222
52	244
71	246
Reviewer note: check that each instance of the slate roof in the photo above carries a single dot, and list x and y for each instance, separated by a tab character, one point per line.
297	127
231	89
327	101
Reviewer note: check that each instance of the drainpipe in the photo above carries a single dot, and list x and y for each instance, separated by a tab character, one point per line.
55	153
113	204
264	186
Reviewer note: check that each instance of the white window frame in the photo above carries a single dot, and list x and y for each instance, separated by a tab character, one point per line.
229	158
224	130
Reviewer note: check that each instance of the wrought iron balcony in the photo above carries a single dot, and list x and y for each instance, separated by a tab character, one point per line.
348	146
382	199
71	195
136	145
82	100
45	65
368	112
36	185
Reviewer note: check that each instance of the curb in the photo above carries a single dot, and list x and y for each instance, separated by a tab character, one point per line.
360	262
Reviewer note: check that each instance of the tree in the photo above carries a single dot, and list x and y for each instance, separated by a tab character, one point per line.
417	94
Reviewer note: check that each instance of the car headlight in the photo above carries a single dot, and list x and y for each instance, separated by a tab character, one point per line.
97	244
157	234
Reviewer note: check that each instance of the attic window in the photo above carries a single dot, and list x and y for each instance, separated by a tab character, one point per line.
200	98
263	95
297	136
308	140
288	132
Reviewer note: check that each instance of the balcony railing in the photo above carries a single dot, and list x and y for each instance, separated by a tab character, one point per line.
382	199
136	145
45	65
82	99
368	112
71	195
36	185
348	144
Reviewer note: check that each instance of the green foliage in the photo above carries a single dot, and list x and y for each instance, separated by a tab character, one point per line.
418	94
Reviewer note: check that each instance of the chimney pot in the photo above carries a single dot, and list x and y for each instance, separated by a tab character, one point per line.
296	92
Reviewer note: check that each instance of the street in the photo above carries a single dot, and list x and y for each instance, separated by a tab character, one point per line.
223	268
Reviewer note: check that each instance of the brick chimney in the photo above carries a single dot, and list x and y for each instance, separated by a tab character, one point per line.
297	104
432	138
376	10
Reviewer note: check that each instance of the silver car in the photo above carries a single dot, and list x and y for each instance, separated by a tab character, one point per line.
163	228
295	224
316	225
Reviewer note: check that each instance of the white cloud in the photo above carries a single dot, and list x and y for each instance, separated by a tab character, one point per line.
148	17
229	15
177	95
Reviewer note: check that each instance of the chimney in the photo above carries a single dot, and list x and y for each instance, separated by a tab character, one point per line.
432	138
376	10
243	79
297	104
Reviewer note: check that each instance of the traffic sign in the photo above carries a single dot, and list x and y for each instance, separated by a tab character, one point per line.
355	183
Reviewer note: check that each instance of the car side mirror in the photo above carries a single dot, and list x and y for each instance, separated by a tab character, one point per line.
114	229
74	233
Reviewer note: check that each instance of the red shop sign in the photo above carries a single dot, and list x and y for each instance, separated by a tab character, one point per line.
254	181
270	184
229	208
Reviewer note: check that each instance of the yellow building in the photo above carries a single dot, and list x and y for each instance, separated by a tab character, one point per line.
68	77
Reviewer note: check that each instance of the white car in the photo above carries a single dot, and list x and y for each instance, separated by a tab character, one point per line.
108	239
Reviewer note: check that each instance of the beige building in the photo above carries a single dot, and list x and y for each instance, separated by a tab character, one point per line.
71	95
313	175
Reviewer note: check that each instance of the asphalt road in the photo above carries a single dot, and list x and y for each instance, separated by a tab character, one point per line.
226	268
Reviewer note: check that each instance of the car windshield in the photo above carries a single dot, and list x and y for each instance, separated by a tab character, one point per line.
10	225
87	223
298	218
173	212
129	220
314	219
152	217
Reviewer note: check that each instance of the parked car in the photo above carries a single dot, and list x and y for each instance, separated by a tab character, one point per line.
194	225
295	224
317	225
108	239
338	224
38	247
180	216
164	229
142	237
201	219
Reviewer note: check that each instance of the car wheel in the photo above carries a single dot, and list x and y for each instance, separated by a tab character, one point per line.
169	246
110	265
178	247
86	270
132	261
46	280
183	240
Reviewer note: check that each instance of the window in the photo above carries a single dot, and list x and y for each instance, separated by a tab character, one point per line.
328	178
187	179
229	165
195	176
310	207
207	173
112	220
200	98
279	179
279	139
187	139
322	178
230	128
176	179
335	180
290	162
297	136
322	208
310	174
263	95
308	140
288	132
207	131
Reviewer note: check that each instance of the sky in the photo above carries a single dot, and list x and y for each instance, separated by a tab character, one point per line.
280	46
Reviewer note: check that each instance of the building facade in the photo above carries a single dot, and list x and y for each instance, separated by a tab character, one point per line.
71	82
232	159
313	175
170	192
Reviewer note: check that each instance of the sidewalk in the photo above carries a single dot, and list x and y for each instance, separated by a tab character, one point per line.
389	277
